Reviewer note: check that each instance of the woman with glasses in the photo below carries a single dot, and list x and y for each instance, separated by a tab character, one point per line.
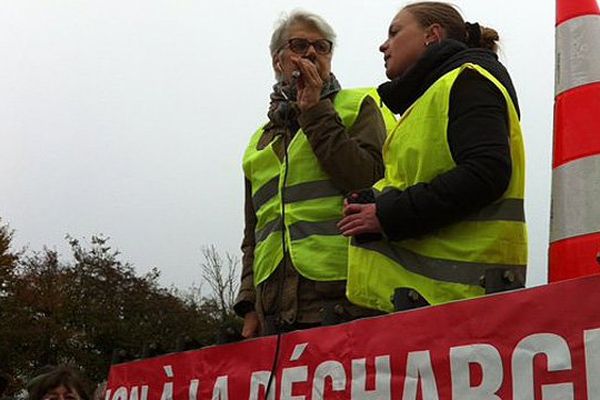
320	142
451	203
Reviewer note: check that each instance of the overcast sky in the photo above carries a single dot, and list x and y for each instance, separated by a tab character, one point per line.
130	117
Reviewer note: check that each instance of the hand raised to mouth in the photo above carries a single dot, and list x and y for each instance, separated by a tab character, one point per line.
309	84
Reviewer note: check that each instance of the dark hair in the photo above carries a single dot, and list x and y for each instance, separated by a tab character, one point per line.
62	375
449	18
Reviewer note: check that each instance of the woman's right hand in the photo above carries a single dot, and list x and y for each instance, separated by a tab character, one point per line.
309	84
359	219
251	325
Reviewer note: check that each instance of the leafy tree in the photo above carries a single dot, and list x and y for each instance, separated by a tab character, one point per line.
8	259
80	312
8	266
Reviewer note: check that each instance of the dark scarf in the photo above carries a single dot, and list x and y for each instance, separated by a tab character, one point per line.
439	59
283	109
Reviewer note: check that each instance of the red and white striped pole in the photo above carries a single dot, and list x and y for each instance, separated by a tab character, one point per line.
575	213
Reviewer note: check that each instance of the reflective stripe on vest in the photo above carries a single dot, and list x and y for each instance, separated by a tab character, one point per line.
312	203
449	263
452	271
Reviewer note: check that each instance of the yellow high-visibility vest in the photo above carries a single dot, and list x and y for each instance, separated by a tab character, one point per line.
447	264
313	205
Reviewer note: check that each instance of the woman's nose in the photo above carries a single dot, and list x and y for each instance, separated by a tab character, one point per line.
383	46
311	53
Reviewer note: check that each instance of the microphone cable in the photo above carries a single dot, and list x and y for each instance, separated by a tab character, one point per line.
284	248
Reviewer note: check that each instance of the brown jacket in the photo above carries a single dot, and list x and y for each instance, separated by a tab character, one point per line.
353	160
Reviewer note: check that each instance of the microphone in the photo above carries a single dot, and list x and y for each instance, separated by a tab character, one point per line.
292	82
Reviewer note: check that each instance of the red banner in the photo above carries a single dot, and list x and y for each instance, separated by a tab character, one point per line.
540	343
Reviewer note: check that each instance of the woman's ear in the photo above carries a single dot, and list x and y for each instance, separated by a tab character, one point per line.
277	64
435	34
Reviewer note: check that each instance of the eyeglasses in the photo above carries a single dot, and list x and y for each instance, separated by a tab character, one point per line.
301	46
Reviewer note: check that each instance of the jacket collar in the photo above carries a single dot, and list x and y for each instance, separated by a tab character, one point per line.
399	93
439	59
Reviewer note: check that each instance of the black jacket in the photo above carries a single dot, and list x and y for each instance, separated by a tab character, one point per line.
478	137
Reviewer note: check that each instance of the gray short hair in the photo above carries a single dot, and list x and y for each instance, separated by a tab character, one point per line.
279	36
